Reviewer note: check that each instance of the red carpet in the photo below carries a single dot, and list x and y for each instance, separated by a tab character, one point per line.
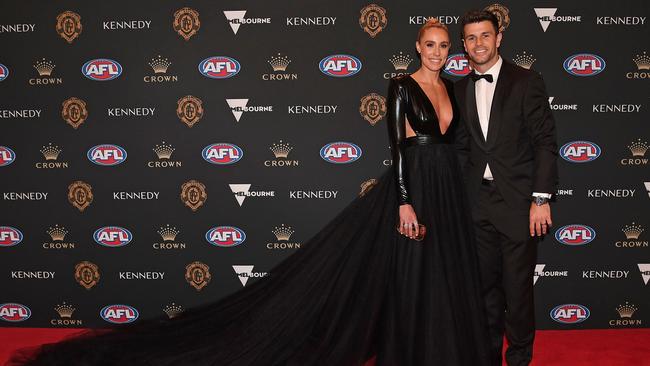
624	347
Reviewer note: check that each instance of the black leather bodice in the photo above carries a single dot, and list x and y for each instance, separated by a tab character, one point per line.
407	100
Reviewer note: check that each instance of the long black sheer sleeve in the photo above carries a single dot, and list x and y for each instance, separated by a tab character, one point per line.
396	133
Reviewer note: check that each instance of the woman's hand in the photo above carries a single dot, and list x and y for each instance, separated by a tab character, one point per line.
408	221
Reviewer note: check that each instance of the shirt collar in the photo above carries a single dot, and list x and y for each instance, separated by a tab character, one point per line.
494	70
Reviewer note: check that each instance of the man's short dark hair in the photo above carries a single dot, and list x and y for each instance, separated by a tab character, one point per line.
477	16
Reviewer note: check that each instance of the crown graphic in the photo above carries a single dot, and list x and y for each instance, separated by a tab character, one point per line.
279	63
401	61
283	232
159	64
57	233
642	62
168	233
44	67
173	310
632	231
638	148
164	151
51	152
626	311
281	149
65	310
525	60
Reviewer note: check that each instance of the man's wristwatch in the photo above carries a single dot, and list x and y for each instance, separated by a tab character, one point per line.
538	200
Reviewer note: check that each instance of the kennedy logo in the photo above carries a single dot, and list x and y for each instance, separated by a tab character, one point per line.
547	15
340	66
373	19
584	64
10	236
457	65
239	106
241	191
644	268
12	312
126	24
186	22
101	69
444	19
373	108
68	25
7	156
4	72
236	18
189	110
112	236
225	236
570	313
340	152
245	272
119	314
580	151
219	67
222	153
106	155
575	234
74	112
642	63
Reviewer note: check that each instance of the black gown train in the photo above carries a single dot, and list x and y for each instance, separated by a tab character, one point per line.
355	291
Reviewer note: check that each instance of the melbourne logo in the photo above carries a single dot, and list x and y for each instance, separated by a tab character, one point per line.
245	272
101	69
547	15
107	155
10	236
4	72
7	156
580	151
219	67
575	234
457	65
236	18
222	153
112	236
12	312
242	191
225	236
570	313
584	64
340	152
239	106
119	314
340	66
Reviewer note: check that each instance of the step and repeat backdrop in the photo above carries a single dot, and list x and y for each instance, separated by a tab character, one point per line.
158	155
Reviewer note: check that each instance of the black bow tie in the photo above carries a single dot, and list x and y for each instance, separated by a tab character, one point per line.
475	77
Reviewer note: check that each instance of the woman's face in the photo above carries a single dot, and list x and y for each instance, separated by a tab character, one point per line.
433	47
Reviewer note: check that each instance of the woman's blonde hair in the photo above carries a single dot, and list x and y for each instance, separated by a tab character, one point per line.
432	23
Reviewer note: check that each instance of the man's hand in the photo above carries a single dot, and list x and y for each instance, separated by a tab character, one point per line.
540	219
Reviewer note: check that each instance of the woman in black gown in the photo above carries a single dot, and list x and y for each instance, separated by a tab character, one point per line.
358	290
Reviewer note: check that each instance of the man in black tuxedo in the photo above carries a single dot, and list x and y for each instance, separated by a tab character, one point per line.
508	148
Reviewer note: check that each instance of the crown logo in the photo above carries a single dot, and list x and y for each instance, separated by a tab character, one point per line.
626	311
283	232
159	64
168	233
401	61
638	148
57	233
525	60
642	62
173	310
633	231
279	63
44	67
51	152
65	310
164	151
281	149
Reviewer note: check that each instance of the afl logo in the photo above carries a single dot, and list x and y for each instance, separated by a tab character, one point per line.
219	67
101	69
7	156
4	72
570	313
225	236
457	65
12	312
584	64
575	234
107	155
112	236
119	314
10	236
340	66
222	153
580	151
340	152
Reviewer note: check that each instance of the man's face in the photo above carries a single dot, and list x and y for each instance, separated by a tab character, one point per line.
481	42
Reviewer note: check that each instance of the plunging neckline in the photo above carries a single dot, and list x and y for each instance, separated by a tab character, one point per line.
434	108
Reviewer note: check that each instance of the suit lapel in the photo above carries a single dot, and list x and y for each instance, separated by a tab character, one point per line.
472	113
496	108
